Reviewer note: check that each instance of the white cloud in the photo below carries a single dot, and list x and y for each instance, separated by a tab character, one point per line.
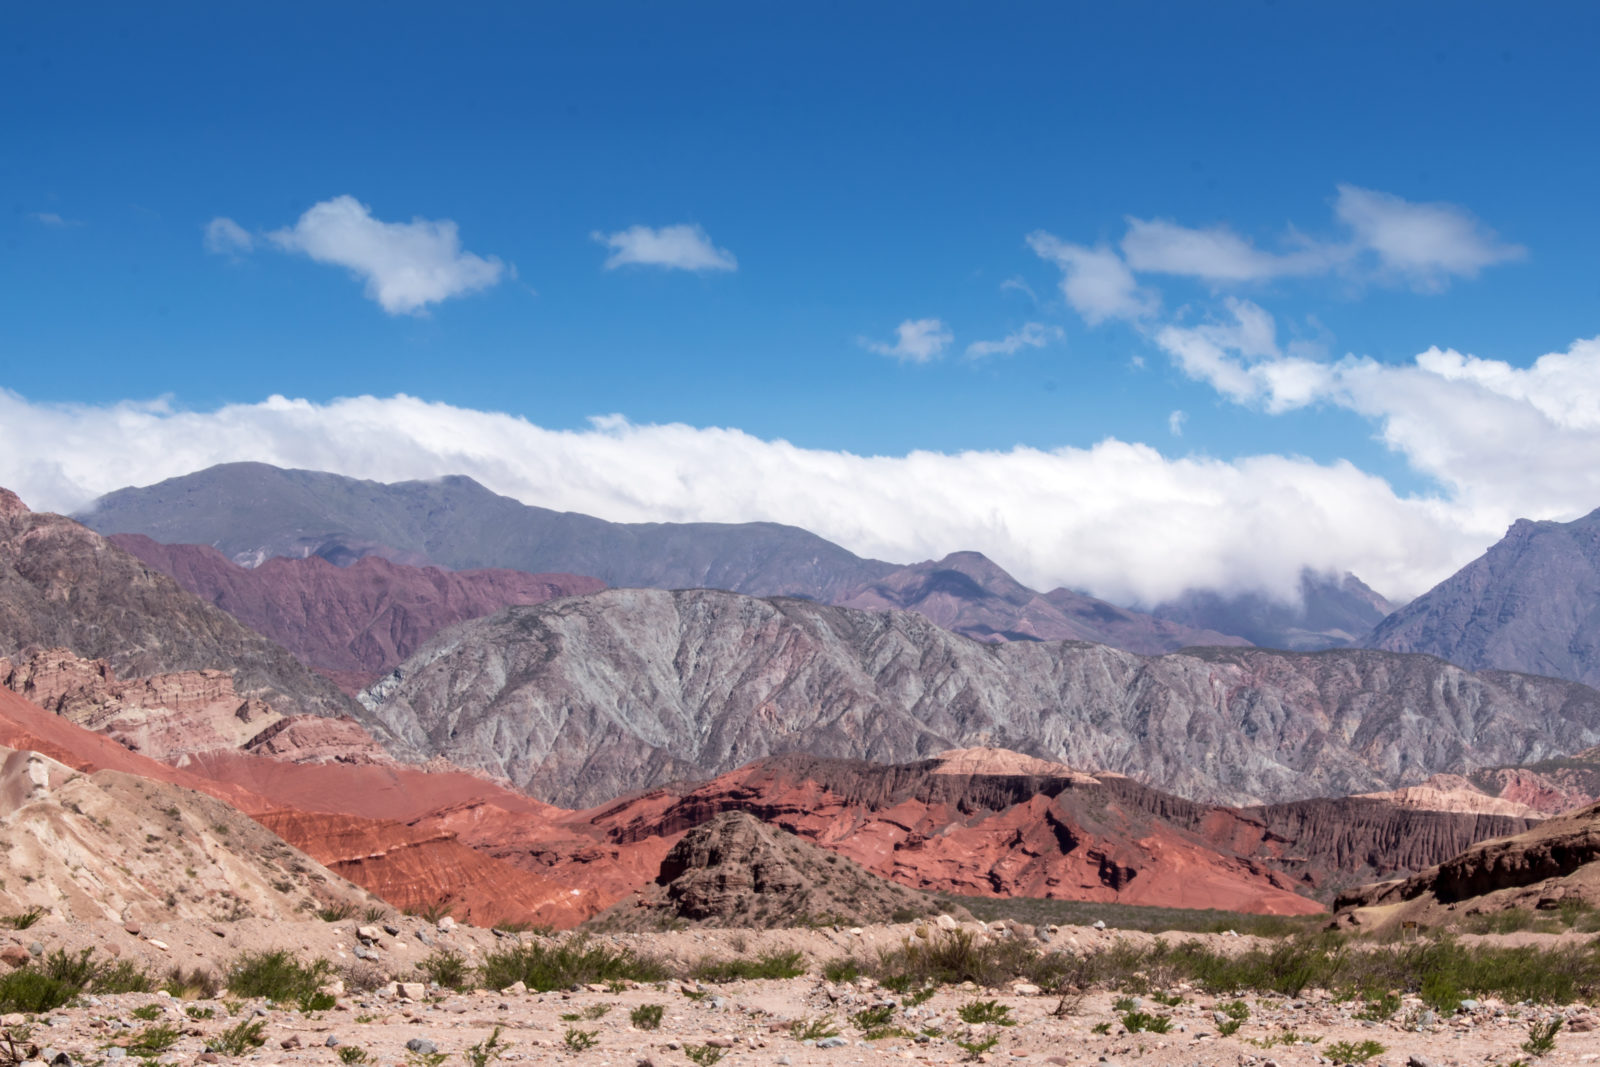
1175	422
53	220
1032	335
1425	244
674	247
1119	518
1095	281
916	341
406	265
224	237
1216	254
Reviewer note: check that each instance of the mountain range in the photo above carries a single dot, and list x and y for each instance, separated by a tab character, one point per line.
580	699
252	512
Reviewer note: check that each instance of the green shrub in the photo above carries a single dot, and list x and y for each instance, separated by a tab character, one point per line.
843	969
1353	1052
278	976
985	1011
352	1054
768	965
147	1012
1542	1036
23	919
704	1055
873	1018
447	968
974	1049
1136	1021
486	1051
815	1029
545	967
336	912
646	1016
577	1040
153	1041
240	1038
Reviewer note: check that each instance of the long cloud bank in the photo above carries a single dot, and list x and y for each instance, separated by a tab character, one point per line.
1118	519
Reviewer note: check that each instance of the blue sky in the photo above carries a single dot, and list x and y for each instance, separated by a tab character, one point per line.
855	166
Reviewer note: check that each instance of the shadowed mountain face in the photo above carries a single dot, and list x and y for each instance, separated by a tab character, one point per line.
64	586
582	699
359	620
967	593
1332	613
251	512
1531	603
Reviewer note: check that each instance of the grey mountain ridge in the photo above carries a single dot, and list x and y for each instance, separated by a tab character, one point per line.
581	699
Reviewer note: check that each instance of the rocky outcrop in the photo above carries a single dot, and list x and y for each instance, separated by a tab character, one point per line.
582	699
735	870
1531	603
65	586
252	512
357	621
1331	612
965	592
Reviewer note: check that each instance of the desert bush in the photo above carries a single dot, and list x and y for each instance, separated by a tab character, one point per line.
545	967
771	964
23	919
1353	1052
278	976
240	1038
1542	1036
485	1052
646	1016
985	1011
153	1041
577	1040
448	968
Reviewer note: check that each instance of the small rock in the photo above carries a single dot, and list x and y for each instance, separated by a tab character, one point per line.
517	987
369	934
14	955
1469	1005
36	949
422	1046
413	990
391	929
720	1042
290	1042
219	931
210	1057
446	924
832	1042
1025	989
784	1061
945	922
1418	1061
132	928
645	1061
57	1058
1100	924
162	945
332	1042
1581	1024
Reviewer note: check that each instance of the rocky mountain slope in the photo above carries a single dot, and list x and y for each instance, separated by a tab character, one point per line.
354	622
579	700
967	593
252	511
65	586
1332	612
1531	603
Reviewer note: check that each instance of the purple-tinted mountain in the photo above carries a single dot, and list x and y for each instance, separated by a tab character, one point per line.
359	620
252	512
1332	613
1531	603
967	593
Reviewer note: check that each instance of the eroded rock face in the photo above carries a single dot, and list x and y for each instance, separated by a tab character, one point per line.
65	586
356	621
1553	862
583	699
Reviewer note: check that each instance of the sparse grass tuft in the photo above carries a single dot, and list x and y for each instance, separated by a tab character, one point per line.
278	976
815	1029
578	1040
486	1051
1353	1052
1137	1021
704	1055
352	1055
985	1011
1542	1036
153	1041
240	1038
448	968
23	919
646	1016
336	912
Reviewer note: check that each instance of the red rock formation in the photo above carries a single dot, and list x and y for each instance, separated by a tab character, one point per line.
355	622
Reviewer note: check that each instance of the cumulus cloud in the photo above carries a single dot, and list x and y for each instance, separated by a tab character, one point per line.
1216	254
1032	335
1385	239
682	247
916	341
405	265
53	220
224	237
1095	281
1424	244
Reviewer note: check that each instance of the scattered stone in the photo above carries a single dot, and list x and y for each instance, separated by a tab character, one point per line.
832	1042
720	1042
36	948
421	1046
1026	989
132	928
162	945
369	934
391	929
332	1042
519	987
290	1042
1100	924
14	955
413	990
115	1052
446	924
945	922
1418	1061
